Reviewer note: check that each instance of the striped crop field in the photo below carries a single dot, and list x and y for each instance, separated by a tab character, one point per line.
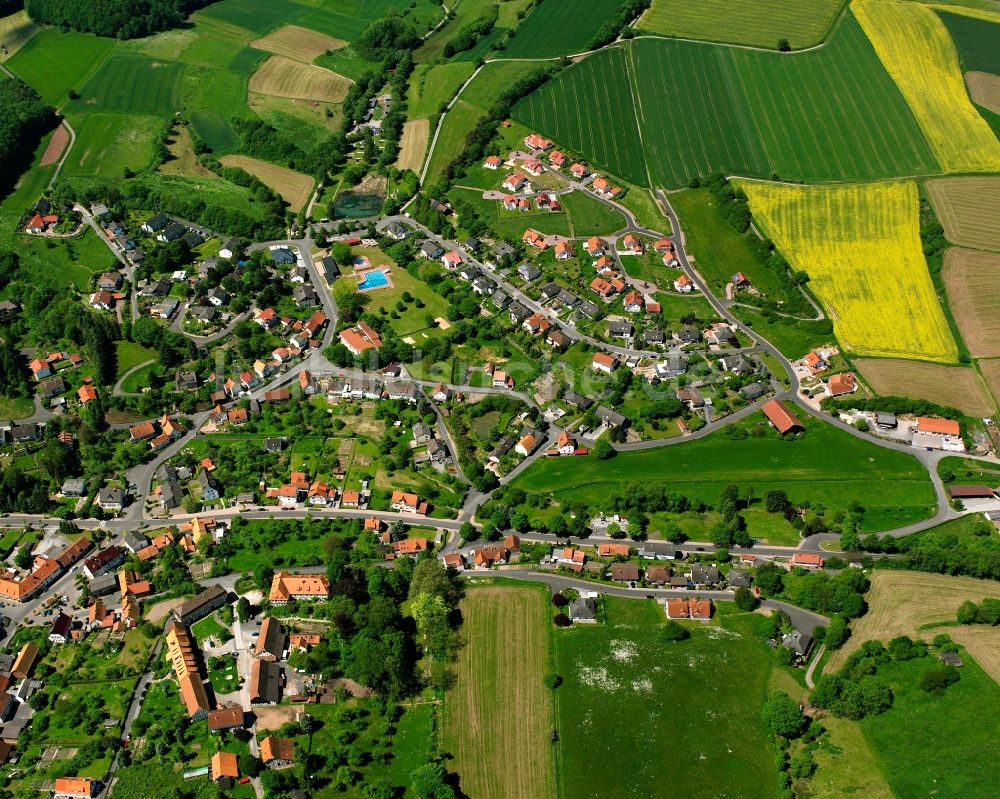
969	209
282	77
590	107
970	278
831	114
135	84
860	245
915	48
560	27
756	22
951	386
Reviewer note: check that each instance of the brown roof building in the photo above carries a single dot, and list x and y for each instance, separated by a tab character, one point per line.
200	606
25	661
265	683
224	766
277	751
781	417
271	641
225	718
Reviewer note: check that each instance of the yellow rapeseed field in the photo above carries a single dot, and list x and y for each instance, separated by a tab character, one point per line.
860	245
915	48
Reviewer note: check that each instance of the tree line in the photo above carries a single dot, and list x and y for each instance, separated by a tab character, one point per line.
25	119
120	19
618	25
470	34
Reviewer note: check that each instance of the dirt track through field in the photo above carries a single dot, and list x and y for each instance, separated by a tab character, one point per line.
300	44
900	603
413	145
970	278
985	89
498	715
956	386
283	77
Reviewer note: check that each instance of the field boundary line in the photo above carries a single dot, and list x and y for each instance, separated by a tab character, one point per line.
636	106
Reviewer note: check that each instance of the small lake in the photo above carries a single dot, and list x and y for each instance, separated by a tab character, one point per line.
349	205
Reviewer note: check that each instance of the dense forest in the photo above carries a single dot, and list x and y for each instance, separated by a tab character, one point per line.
121	19
24	120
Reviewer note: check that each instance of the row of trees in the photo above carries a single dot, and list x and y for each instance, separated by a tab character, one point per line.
25	119
618	25
470	34
121	19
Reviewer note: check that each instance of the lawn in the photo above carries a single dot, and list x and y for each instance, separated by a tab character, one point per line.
636	714
647	213
412	321
834	234
17	408
590	217
109	143
208	627
559	27
756	22
945	744
827	114
499	712
824	465
131	355
54	62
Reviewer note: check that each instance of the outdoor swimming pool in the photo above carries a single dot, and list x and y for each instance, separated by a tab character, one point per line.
374	279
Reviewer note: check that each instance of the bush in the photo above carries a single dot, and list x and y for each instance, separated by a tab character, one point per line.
552	680
562	620
745	600
672	631
559	600
937	678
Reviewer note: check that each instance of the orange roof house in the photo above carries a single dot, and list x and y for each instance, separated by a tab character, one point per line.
694	609
359	338
86	394
534	239
142	431
410	546
604	362
807	560
843	383
277	751
781	417
941	427
493	162
224	764
74	787
614	550
537	142
564	250
286	586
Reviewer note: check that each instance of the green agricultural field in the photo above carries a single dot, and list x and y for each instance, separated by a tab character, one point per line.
109	143
259	16
220	90
828	114
134	85
213	47
824	465
590	108
757	22
636	714
590	217
457	124
976	40
431	85
560	27
945	744
213	127
54	62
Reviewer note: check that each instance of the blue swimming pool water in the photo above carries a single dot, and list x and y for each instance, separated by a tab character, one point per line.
375	279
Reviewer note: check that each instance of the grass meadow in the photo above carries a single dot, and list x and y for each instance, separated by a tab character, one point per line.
433	84
560	27
835	234
823	465
457	124
916	50
639	717
215	129
109	143
497	719
945	744
828	114
756	22
294	187
79	54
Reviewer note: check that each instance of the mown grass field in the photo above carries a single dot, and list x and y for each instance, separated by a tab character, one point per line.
824	465
298	43
497	718
954	386
294	187
283	77
969	210
133	85
756	22
828	114
413	144
836	234
915	48
641	718
560	27
970	278
991	374
975	39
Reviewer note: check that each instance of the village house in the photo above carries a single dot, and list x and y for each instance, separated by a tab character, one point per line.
684	284
286	586
840	384
807	560
360	338
604	362
689	609
624	572
277	752
403	502
493	162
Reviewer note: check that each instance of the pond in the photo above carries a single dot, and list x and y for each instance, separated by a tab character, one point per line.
349	205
